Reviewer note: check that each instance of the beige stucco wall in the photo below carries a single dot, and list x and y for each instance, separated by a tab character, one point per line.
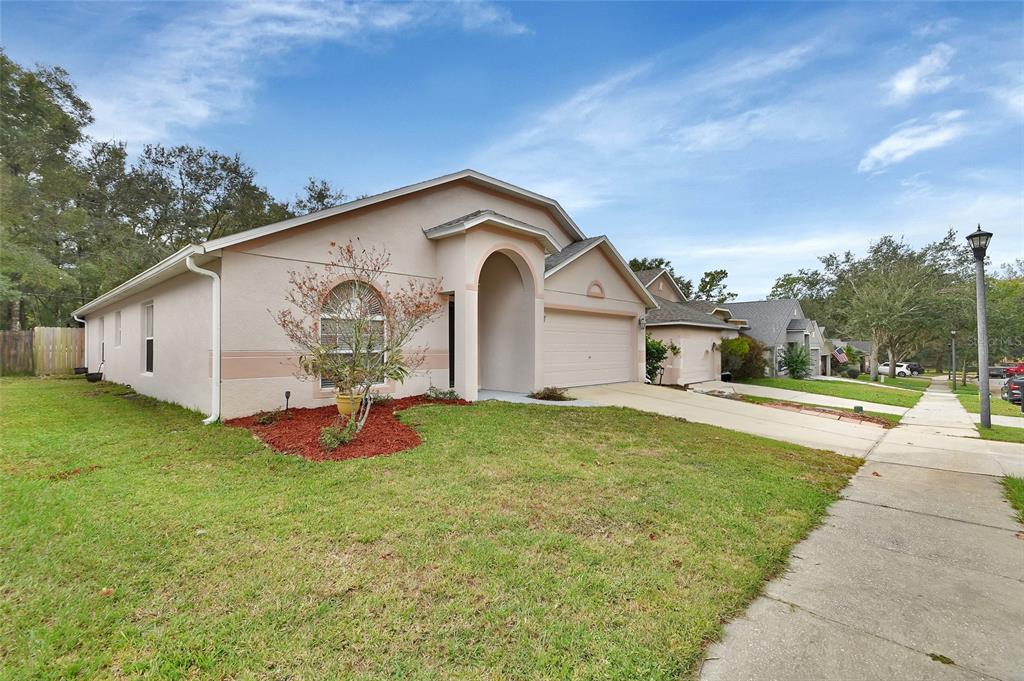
181	333
663	288
505	322
696	360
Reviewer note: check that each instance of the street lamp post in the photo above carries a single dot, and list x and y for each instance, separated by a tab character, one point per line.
979	241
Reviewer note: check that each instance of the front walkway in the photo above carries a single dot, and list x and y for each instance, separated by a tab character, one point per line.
916	574
845	437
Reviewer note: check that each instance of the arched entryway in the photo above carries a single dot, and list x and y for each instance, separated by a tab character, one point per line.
506	323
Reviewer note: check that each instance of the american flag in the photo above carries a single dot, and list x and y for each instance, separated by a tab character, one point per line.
839	354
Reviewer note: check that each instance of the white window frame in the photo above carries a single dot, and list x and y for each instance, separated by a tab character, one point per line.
327	384
103	339
118	336
148	338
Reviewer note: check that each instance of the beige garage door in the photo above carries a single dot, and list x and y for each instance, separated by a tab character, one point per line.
584	349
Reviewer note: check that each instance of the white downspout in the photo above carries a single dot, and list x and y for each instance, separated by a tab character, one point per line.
85	332
215	306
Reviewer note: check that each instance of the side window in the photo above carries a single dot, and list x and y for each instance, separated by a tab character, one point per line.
117	329
103	339
147	311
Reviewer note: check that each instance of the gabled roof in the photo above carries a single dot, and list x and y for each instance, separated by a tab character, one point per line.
671	313
473	176
466	222
648	277
768	319
557	261
798	324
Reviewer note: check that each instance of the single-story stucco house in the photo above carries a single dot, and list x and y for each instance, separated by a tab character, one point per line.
697	328
779	324
531	301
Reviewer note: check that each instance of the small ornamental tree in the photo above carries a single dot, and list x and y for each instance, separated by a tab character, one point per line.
657	351
352	327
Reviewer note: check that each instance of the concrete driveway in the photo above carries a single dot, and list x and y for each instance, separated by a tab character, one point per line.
797	396
845	437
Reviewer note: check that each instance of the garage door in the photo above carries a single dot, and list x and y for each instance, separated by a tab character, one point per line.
585	349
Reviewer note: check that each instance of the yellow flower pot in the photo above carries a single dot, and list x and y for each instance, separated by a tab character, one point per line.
348	405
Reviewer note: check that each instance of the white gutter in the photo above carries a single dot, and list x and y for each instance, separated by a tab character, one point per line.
215	341
85	333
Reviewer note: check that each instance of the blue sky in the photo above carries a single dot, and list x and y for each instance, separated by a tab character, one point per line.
747	136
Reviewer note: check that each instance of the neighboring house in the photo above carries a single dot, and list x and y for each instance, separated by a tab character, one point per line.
531	301
779	324
691	326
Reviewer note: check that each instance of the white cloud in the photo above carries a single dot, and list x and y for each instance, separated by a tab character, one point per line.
927	76
935	28
203	65
912	138
640	119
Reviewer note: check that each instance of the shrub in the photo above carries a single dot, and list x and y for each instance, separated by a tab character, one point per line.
266	418
657	351
435	393
744	357
852	372
332	437
797	361
552	394
734	352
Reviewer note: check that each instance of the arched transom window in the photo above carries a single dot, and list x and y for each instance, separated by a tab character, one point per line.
352	322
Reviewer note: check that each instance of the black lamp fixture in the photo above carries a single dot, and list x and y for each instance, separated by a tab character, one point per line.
979	239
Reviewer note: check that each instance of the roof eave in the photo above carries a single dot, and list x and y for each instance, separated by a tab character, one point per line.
628	274
472	175
141	280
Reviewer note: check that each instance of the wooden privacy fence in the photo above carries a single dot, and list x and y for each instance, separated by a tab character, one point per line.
42	351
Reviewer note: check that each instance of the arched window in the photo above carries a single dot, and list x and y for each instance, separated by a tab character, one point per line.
352	322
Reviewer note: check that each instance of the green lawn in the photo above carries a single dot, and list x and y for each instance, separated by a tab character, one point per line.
1001	433
968	396
518	541
852	391
1014	487
757	399
907	383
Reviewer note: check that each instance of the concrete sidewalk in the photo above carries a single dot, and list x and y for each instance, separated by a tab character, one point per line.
916	574
796	396
846	437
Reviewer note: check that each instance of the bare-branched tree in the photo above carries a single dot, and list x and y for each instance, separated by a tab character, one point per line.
355	334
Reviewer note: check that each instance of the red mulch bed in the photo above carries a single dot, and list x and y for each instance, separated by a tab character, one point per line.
299	431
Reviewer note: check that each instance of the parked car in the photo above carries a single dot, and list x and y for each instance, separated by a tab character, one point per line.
998	372
1016	369
915	368
1012	388
902	369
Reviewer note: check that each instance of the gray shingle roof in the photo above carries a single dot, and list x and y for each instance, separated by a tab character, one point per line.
465	218
798	324
569	252
768	319
647	276
684	314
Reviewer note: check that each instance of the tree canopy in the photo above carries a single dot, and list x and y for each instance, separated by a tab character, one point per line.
78	216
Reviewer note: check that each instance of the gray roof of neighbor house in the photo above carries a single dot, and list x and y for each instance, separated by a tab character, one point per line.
768	319
862	345
670	313
798	324
647	276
